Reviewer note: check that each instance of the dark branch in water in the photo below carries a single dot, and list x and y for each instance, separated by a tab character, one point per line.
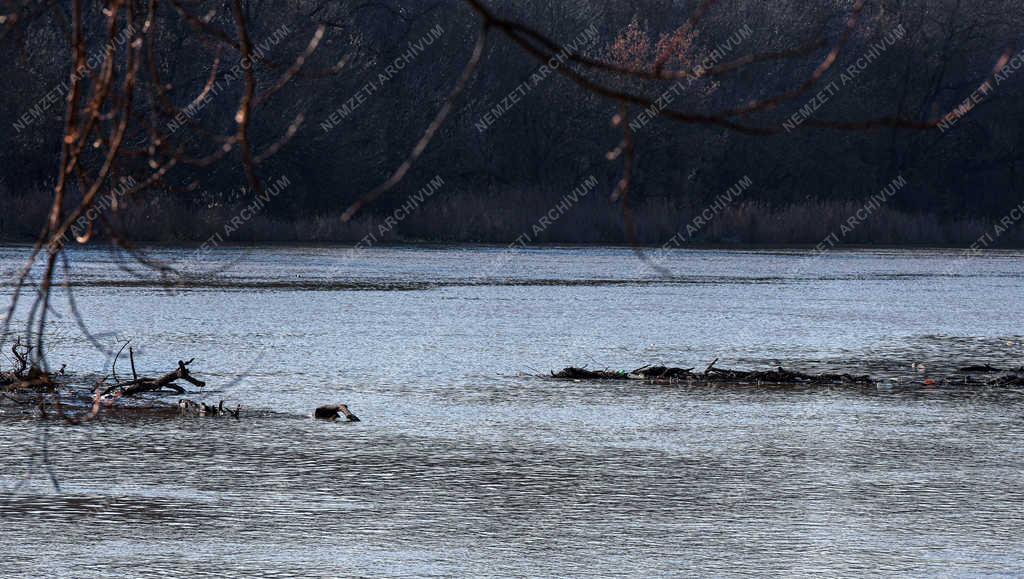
47	391
140	385
979	369
778	377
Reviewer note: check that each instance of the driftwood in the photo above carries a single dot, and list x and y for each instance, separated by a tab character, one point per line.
573	373
979	369
987	368
135	386
26	374
1007	380
185	407
1013	377
663	372
68	398
713	375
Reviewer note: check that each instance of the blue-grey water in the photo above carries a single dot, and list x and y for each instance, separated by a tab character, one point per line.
468	462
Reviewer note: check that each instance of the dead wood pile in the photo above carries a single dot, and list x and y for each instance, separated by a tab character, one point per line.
60	394
713	375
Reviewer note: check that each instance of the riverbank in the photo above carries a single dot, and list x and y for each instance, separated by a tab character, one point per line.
528	219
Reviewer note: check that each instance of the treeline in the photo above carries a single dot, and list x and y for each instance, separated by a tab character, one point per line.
523	135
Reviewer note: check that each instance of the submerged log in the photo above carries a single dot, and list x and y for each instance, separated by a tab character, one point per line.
715	376
26	375
78	402
979	369
573	373
664	372
1007	380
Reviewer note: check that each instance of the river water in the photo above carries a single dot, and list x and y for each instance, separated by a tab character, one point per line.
469	462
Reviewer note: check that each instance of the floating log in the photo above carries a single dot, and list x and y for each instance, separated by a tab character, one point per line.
979	369
573	373
664	373
713	375
777	376
77	403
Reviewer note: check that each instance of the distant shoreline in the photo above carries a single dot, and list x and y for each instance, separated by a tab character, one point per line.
533	220
764	247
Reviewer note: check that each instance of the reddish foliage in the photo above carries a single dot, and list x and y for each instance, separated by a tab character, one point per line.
632	47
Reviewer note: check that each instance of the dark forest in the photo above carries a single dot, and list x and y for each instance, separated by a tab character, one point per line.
522	136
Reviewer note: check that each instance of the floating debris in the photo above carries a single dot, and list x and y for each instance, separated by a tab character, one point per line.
79	400
714	376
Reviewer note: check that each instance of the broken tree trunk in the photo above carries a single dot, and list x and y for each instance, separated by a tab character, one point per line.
139	385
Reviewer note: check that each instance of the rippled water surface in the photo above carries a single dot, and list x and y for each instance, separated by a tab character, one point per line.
468	462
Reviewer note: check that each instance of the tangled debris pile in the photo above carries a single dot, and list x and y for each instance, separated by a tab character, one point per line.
1012	377
25	374
713	376
59	393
